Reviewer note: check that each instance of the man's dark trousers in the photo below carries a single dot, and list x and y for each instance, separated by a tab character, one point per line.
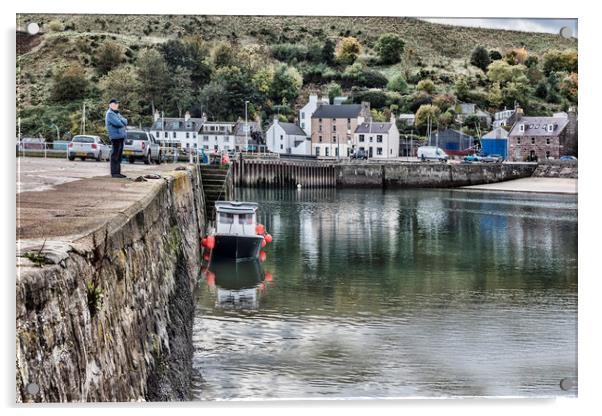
116	156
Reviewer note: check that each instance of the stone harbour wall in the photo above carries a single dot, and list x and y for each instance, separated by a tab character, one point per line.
108	317
557	169
428	175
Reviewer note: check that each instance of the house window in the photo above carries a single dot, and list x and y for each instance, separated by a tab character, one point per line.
371	139
334	127
281	147
334	138
320	139
317	151
205	138
281	138
550	128
174	134
303	125
334	120
302	114
547	140
194	135
379	138
326	151
187	135
320	128
166	135
361	138
379	151
547	154
521	128
518	140
532	140
320	120
226	138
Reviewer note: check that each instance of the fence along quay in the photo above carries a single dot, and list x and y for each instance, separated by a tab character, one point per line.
283	174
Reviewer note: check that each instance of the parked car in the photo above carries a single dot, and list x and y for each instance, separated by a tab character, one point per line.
432	153
568	158
360	154
492	159
472	158
142	145
84	146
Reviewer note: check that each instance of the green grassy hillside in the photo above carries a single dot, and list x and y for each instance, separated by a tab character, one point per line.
432	51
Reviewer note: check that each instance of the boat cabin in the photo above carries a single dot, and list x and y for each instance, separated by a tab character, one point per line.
235	218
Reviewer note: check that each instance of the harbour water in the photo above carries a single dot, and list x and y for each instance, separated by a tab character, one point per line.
372	293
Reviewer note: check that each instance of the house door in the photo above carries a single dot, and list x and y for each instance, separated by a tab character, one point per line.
370	151
532	155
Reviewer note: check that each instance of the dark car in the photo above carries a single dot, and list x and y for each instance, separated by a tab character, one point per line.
360	155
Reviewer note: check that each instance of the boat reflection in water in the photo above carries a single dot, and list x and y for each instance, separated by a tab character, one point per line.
237	284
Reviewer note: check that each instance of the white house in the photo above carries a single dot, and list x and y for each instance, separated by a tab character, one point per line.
379	140
217	136
287	138
177	132
307	111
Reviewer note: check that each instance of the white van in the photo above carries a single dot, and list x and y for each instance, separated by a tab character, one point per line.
432	153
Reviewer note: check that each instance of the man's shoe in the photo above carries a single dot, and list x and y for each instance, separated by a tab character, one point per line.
119	175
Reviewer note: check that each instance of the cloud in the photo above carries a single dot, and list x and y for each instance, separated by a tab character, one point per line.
523	25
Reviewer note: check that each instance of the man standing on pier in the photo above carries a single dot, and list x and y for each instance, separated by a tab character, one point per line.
115	124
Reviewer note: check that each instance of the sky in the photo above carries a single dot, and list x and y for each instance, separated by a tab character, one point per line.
526	25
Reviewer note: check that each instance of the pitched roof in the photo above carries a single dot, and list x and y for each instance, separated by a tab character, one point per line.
337	111
374	127
450	133
291	129
178	124
498	133
239	129
538	126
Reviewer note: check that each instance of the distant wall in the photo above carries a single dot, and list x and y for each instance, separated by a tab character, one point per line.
428	175
557	169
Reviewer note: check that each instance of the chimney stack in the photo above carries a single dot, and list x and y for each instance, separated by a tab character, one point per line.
157	115
187	116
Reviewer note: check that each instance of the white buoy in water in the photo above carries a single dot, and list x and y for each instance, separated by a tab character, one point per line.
298	186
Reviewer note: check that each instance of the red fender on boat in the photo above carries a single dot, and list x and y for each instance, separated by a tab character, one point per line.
263	243
210	278
260	229
268	277
210	242
262	256
268	238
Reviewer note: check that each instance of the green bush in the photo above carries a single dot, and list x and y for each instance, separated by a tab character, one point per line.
56	26
398	84
389	48
69	84
288	52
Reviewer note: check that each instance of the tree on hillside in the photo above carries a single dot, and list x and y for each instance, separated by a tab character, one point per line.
191	54
286	84
262	81
223	55
531	61
480	58
494	55
398	84
69	84
181	93
502	72
110	55
154	77
494	97
569	87
426	85
462	88
517	56
425	114
348	49
224	97
333	90
541	90
557	61
328	51
389	48
122	83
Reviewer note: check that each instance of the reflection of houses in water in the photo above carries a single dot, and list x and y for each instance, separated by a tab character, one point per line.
237	284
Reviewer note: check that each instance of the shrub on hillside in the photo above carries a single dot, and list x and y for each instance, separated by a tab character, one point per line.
109	56
56	26
288	52
427	86
69	84
480	58
347	51
389	48
398	84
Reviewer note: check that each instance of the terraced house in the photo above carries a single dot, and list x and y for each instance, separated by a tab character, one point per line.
377	139
332	128
176	131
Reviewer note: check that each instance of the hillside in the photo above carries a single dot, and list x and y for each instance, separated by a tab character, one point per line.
432	51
